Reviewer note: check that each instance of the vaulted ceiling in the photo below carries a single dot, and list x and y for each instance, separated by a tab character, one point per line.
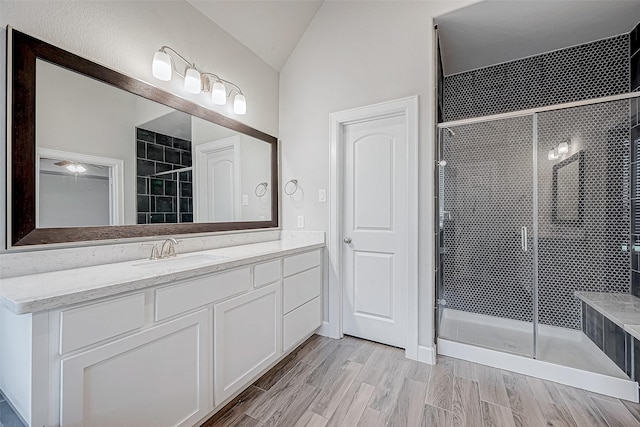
485	33
270	29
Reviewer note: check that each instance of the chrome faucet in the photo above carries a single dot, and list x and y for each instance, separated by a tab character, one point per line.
168	248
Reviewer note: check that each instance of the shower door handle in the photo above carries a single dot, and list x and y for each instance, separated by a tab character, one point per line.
523	238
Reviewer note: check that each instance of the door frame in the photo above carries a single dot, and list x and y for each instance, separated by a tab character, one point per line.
408	108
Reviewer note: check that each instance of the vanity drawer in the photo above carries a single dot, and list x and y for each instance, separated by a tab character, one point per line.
301	288
266	273
301	322
190	294
298	263
93	323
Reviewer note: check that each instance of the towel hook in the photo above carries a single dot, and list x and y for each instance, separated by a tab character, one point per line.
261	189
291	187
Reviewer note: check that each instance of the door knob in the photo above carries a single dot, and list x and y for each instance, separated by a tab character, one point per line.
347	240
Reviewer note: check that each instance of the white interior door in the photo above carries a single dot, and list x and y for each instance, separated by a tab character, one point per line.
220	180
217	180
375	230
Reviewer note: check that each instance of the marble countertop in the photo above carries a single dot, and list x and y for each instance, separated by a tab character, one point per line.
43	291
621	309
634	330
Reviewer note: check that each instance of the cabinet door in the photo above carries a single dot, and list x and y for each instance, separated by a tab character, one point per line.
246	338
157	377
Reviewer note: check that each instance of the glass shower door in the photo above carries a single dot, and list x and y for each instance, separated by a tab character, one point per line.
584	219
486	281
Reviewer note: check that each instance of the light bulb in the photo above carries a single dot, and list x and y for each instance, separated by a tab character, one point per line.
161	67
192	81
72	168
80	169
218	93
563	148
239	104
552	154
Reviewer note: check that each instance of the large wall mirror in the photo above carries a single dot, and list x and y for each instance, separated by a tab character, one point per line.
97	155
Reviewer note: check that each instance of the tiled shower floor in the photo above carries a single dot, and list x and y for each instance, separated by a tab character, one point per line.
560	346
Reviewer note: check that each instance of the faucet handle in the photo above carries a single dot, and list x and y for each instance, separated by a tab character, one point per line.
171	252
154	250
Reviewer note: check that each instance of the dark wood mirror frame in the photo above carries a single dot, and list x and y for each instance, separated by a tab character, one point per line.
22	52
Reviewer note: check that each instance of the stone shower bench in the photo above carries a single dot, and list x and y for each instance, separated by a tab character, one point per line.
612	322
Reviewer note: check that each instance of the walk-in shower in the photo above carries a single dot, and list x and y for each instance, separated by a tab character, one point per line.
534	206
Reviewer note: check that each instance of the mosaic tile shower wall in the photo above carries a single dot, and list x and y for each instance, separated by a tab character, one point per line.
164	198
587	71
590	253
488	197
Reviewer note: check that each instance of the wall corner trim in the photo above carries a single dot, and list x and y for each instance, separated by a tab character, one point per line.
427	354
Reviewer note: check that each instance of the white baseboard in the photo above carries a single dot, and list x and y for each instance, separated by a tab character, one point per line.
325	330
427	354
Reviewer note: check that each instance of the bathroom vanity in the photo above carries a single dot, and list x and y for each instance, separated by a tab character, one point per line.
161	342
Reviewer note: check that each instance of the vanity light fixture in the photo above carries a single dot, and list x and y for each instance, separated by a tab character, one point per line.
239	104
193	81
196	81
218	93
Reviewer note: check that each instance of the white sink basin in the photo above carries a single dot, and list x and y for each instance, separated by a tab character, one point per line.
179	262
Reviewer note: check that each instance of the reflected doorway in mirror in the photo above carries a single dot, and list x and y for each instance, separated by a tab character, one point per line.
78	190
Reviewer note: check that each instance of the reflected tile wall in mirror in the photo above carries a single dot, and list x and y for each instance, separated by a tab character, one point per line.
163	197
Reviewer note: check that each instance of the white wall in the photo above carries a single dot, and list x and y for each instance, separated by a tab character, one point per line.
255	160
73	201
81	115
124	35
354	54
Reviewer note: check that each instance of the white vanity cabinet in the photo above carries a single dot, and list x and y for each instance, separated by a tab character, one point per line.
246	339
156	377
164	355
302	305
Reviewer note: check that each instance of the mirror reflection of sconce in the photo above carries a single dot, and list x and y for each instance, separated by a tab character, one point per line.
291	187
559	151
261	189
562	148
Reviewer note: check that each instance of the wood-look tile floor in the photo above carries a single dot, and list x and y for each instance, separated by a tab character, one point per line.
357	383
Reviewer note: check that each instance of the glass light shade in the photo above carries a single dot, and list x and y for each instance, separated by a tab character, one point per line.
563	148
192	81
552	154
219	93
76	168
239	104
161	67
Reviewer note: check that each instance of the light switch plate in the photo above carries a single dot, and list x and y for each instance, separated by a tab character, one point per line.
300	221
322	195
245	200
